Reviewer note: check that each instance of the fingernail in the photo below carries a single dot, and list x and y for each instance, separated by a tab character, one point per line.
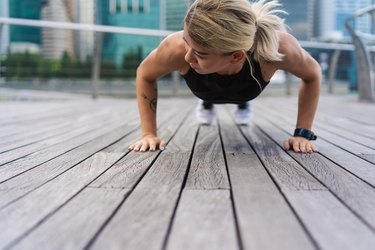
162	148
142	150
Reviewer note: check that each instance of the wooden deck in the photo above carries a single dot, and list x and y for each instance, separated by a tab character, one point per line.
67	180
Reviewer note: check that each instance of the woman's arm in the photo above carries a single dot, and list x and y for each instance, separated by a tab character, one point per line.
299	63
168	57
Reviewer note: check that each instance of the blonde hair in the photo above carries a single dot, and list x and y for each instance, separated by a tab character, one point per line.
226	26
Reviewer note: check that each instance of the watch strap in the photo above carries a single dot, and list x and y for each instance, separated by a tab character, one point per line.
306	133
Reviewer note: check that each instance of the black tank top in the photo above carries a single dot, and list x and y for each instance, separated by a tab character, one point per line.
236	89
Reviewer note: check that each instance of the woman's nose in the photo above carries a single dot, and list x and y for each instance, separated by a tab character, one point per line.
189	57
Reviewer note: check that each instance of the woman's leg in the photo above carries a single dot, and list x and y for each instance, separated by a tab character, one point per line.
205	112
243	114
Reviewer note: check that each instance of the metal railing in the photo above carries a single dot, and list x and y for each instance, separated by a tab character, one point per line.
100	29
365	67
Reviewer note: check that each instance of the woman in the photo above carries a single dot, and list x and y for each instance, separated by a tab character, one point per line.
227	53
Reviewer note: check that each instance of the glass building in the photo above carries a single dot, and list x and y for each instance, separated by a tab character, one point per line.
134	14
147	14
332	16
5	30
300	17
29	10
175	13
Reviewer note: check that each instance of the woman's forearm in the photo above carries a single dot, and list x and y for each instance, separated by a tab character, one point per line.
147	104
308	102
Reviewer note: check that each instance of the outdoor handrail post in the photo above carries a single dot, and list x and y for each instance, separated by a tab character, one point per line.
1	33
95	73
288	83
175	82
332	72
366	79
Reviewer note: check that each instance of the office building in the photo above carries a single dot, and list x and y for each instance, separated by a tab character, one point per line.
148	14
300	17
4	39
175	13
57	41
333	14
84	40
24	38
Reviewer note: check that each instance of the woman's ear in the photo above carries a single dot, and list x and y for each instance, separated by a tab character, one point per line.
237	56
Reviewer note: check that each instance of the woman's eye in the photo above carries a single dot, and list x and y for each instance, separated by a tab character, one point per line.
200	57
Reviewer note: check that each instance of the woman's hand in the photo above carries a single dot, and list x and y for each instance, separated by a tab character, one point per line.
148	142
300	145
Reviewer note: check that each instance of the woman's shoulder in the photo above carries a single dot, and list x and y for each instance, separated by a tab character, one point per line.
288	45
171	49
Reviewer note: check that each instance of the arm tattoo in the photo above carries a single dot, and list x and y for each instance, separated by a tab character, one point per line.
152	102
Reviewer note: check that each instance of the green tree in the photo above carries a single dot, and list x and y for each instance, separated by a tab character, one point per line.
130	62
22	65
108	69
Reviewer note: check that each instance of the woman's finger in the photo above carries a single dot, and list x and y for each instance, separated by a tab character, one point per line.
162	145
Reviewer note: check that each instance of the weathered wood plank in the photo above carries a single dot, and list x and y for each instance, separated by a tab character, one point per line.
87	237
75	223
47	124
287	172
18	218
261	209
355	127
127	172
335	106
17	187
147	212
207	169
36	159
290	212
352	191
342	113
331	224
356	165
52	111
346	144
72	130
204	220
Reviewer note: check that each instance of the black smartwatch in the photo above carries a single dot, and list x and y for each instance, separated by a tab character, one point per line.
306	133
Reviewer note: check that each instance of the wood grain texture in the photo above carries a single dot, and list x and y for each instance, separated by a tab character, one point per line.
143	220
204	220
331	224
354	164
343	184
76	223
37	177
148	211
207	169
261	209
24	214
286	171
221	187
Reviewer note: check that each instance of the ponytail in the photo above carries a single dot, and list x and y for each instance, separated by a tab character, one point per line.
267	25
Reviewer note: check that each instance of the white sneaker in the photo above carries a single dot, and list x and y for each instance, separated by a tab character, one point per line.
205	113
243	114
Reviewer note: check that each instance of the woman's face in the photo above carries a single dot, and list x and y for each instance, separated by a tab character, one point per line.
203	61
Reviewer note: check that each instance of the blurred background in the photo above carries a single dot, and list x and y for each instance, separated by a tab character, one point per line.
64	59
